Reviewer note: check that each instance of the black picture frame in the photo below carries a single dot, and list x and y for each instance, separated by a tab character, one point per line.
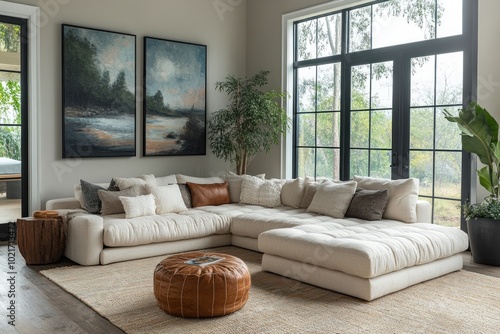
98	93
174	98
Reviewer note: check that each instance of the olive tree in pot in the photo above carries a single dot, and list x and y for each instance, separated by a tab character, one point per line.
252	122
480	137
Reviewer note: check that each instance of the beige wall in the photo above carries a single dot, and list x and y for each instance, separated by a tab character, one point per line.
197	21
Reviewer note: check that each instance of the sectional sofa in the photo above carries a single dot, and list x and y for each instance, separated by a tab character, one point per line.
367	237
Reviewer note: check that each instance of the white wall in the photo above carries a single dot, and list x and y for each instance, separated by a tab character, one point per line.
221	28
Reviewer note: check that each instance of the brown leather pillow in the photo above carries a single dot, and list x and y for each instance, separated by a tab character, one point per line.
209	194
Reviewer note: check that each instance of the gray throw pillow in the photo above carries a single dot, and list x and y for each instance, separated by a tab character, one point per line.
186	195
91	202
368	204
111	203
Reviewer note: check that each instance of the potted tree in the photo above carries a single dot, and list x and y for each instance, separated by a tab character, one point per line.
480	137
252	122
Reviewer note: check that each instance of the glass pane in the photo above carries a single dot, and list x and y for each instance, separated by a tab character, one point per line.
306	40
10	142
382	74
329	87
10	45
10	98
448	135
422	169
327	163
422	81
305	131
446	212
360	128
360	87
306	89
329	35
449	78
359	163
397	22
422	128
381	132
328	130
360	29
380	161
448	174
305	162
449	18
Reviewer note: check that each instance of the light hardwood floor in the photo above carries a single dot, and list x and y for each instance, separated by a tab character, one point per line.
43	307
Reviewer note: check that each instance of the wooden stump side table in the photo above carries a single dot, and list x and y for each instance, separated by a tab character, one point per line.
41	240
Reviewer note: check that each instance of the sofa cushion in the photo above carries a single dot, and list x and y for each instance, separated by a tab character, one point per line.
119	231
261	192
403	196
209	194
138	206
111	203
333	198
368	204
168	199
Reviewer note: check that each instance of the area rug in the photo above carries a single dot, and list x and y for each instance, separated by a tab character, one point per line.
461	302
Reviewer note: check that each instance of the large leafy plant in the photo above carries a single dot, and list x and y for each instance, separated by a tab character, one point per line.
480	136
252	122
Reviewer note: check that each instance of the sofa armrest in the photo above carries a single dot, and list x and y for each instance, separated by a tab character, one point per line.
84	241
424	214
63	203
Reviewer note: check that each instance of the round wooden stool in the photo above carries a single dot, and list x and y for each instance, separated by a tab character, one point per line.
41	240
195	291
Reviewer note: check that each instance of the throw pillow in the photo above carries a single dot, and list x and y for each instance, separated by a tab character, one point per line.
200	180
186	195
234	181
293	191
261	192
111	203
166	180
90	199
368	204
402	196
127	182
333	198
138	206
168	199
309	192
77	188
209	194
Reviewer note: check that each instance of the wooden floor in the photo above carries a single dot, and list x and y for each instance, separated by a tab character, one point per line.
43	307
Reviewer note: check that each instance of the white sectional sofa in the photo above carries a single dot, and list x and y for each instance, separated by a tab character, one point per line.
359	257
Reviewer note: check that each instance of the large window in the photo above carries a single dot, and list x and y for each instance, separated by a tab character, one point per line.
370	86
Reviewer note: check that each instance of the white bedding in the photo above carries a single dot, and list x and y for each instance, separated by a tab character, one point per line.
10	166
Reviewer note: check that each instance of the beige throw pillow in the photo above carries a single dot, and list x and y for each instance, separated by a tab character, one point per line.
402	195
234	181
127	182
333	198
111	203
293	191
181	178
138	206
261	192
309	192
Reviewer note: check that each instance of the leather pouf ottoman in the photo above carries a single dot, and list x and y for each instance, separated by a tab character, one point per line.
194	291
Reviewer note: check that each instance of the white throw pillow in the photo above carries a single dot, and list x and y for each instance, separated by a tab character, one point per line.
166	180
293	191
138	206
234	182
261	192
127	182
168	199
333	198
181	178
402	195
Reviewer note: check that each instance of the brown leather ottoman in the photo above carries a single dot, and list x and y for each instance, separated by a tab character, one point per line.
194	291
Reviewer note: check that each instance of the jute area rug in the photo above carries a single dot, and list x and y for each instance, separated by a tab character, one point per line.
461	302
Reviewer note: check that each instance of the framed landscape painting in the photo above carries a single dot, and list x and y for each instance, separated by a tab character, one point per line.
98	89
174	98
